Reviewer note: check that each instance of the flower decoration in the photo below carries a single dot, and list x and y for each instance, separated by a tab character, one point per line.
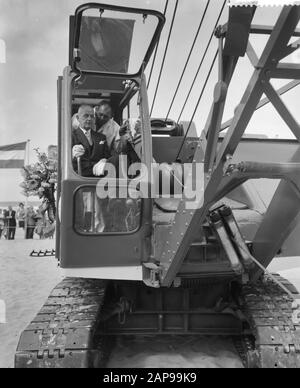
40	179
32	184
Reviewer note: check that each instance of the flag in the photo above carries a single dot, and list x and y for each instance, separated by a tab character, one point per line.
13	156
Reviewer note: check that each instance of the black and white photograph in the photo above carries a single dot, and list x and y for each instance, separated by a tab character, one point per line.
149	187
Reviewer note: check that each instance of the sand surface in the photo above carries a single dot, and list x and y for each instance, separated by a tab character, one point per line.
26	282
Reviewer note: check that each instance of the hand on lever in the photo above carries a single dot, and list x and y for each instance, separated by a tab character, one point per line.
78	151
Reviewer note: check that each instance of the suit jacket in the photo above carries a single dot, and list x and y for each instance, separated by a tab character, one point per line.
93	154
10	222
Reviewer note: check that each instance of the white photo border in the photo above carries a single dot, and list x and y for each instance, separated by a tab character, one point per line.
263	3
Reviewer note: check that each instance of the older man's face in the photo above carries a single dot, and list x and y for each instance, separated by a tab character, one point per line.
86	118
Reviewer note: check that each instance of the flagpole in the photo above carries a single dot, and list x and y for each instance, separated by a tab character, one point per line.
27	152
26	201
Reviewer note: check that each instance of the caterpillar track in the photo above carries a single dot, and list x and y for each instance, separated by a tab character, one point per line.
64	334
275	326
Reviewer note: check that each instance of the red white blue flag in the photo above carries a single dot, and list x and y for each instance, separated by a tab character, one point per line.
13	156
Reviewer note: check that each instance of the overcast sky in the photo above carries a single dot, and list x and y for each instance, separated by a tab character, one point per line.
35	33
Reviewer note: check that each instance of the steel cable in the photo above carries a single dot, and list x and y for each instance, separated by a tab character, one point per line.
201	63
165	55
203	89
188	58
156	49
198	102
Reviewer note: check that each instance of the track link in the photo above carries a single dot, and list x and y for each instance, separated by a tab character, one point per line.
64	333
274	324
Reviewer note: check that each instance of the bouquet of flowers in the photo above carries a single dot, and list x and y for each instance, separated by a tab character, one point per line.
40	180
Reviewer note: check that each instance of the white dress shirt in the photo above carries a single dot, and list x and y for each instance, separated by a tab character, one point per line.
111	131
88	135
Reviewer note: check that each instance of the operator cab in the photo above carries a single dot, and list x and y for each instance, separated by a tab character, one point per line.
110	47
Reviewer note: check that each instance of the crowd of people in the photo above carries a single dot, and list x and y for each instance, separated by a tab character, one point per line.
31	221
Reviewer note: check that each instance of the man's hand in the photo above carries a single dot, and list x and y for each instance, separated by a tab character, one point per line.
128	137
125	133
78	151
99	168
124	129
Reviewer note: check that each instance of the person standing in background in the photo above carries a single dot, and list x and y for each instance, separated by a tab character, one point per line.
21	215
30	223
1	223
10	223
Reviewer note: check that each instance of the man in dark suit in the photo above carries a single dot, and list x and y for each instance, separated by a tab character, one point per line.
89	149
90	153
10	223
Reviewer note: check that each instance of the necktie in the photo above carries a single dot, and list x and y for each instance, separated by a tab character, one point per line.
89	137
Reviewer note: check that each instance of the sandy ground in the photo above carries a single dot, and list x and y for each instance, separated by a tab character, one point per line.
26	282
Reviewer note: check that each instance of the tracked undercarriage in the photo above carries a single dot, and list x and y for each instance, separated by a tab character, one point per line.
65	332
76	326
274	321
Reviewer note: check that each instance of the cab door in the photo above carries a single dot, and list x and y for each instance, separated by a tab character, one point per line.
102	238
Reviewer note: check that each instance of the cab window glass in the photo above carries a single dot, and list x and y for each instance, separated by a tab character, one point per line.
97	216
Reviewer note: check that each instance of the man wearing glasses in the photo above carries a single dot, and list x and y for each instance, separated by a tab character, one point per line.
106	125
